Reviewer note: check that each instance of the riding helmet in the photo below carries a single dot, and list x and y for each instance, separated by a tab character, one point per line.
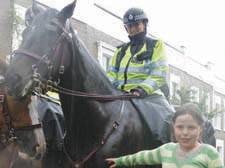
133	15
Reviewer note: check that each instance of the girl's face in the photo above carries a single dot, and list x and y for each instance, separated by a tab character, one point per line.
187	132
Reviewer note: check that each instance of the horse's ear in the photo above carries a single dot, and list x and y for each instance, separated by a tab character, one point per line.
67	11
37	8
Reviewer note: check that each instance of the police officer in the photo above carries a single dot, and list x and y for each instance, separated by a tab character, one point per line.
139	66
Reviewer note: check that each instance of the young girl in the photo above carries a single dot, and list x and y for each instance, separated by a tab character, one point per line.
188	152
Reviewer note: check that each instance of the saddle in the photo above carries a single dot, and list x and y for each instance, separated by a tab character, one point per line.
157	114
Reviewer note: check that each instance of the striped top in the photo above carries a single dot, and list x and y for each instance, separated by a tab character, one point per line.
206	157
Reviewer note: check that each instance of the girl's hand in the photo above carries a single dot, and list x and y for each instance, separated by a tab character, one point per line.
111	160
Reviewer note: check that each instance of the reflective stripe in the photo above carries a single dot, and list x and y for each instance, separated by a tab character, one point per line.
135	70
112	79
157	72
152	83
111	68
157	64
146	69
140	81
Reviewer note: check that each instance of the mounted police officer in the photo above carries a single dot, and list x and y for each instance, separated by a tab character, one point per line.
140	67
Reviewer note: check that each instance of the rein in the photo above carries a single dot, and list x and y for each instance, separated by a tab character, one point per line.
77	164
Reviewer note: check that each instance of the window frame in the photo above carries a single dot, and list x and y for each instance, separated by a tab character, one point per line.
107	49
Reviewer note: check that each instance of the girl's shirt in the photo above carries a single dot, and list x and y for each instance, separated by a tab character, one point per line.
205	157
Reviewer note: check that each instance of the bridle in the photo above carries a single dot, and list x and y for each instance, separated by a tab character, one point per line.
48	59
11	132
10	136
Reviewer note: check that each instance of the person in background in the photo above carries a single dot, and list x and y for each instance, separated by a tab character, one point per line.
187	152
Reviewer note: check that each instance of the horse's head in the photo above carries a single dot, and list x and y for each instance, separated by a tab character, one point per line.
42	54
18	120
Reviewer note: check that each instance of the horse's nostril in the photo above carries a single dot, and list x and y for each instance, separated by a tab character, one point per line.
12	79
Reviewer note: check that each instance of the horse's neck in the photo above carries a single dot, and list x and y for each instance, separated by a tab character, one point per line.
85	75
86	120
88	72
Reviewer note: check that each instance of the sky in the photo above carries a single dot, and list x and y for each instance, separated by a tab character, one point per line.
196	24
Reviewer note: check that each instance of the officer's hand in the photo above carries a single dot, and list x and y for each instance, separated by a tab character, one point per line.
136	93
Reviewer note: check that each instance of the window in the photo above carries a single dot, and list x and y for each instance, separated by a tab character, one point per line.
194	94
174	85
207	101
105	53
220	148
223	111
217	108
18	27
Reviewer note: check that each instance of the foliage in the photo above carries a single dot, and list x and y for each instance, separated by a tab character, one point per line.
209	114
181	96
184	95
17	22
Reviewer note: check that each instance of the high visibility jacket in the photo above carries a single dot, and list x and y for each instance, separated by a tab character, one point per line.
53	96
145	69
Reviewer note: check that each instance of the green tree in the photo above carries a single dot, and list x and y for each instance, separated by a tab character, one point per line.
184	95
209	114
181	96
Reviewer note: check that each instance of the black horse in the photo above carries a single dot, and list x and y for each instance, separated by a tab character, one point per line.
97	127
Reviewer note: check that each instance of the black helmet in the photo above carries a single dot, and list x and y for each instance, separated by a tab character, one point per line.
133	15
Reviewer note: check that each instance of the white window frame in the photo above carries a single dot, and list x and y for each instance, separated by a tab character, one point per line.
223	108
195	96
220	148
217	119
174	79
207	102
105	50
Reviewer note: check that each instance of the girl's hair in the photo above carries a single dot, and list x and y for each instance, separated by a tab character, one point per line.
191	109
